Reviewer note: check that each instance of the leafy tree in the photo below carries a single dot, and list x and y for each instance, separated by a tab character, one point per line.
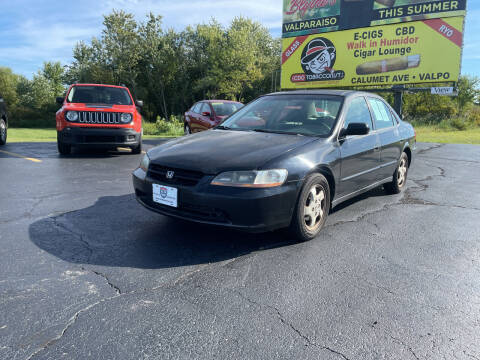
468	91
8	85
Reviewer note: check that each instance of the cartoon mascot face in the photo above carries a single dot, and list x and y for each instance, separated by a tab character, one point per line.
318	56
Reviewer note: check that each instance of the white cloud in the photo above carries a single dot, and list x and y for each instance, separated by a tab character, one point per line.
40	40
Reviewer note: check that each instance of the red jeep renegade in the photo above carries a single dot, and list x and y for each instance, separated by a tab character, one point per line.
98	116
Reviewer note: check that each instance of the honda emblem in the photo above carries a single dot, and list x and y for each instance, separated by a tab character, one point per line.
170	174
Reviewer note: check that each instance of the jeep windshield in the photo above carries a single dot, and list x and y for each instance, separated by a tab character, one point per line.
310	115
99	95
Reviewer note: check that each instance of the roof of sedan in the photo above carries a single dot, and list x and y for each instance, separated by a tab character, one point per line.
344	93
222	101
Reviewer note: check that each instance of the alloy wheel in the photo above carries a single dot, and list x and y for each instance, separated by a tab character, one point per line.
402	172
314	207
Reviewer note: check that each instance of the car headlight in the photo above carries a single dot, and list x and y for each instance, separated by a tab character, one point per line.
144	163
71	116
254	178
126	118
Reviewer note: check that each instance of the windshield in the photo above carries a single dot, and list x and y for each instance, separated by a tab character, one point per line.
99	95
313	115
225	109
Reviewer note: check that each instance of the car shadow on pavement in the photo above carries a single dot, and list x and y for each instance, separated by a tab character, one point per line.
117	231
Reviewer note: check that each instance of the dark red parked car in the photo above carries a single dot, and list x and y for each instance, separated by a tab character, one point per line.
206	114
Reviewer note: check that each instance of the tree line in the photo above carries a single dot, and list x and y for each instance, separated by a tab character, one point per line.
170	70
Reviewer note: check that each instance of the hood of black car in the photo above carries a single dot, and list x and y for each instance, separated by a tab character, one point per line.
214	151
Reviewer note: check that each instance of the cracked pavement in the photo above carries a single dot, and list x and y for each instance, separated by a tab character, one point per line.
86	272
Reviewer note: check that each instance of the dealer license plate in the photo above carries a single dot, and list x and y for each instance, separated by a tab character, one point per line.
165	195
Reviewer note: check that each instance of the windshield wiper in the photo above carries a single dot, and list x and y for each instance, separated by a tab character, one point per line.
222	127
277	132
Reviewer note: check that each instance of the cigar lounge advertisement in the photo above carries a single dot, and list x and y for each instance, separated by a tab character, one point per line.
304	17
413	52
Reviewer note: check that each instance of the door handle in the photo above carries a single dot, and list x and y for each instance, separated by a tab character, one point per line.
376	148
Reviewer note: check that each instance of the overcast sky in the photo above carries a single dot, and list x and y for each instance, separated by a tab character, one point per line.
34	31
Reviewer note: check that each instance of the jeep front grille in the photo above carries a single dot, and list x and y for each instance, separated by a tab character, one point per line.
99	117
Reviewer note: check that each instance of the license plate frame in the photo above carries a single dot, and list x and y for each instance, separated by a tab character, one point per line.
165	195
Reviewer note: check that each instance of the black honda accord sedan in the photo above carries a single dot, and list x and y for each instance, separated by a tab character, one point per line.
281	161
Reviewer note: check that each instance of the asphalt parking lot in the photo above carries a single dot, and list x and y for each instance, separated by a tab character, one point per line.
86	272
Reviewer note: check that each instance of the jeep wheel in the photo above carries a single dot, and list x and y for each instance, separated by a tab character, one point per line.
3	132
63	149
312	208
137	149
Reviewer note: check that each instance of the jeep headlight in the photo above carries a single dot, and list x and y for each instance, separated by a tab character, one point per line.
144	163
126	118
71	116
253	179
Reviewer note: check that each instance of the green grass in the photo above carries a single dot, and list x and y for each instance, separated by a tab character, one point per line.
50	135
31	135
164	128
435	135
424	134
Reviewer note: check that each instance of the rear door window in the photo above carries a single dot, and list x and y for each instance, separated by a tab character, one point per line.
381	114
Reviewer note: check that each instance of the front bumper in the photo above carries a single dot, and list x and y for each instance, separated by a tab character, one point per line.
252	210
100	137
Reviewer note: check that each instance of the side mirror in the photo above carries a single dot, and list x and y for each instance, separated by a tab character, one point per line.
355	129
60	100
206	113
139	103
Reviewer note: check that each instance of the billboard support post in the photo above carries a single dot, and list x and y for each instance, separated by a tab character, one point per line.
398	99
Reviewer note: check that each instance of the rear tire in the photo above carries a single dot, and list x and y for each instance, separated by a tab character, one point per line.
3	132
312	208
63	149
399	177
137	149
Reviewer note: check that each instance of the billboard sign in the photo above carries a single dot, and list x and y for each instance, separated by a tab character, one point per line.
415	52
304	17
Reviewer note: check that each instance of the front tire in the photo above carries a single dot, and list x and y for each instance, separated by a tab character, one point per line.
312	208
63	149
399	176
3	132
186	129
137	149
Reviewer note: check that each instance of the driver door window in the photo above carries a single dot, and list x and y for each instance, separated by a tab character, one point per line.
358	112
205	108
